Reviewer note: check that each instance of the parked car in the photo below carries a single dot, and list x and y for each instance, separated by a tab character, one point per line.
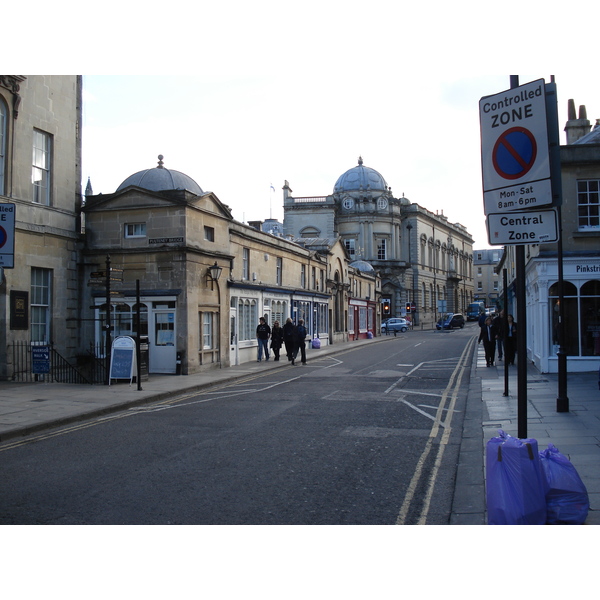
395	324
450	321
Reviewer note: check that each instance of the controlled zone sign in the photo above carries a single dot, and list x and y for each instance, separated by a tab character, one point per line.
7	235
515	160
527	227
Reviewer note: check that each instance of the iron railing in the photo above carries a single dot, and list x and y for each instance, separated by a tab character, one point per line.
28	368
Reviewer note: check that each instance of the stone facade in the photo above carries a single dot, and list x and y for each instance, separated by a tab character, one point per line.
41	118
421	257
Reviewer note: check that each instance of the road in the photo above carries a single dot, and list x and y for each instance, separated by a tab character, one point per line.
368	436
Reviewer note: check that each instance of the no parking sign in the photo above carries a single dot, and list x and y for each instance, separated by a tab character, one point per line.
515	156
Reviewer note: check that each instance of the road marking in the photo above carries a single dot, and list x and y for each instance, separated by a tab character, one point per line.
453	384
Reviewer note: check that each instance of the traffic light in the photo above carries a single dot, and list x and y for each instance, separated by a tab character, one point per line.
387	309
408	309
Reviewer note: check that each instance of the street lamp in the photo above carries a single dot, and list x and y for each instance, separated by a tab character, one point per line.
215	271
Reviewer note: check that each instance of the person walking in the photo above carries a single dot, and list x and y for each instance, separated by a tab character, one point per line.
276	339
301	335
487	335
263	332
510	341
290	339
498	323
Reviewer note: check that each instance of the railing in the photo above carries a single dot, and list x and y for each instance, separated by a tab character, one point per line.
27	368
310	199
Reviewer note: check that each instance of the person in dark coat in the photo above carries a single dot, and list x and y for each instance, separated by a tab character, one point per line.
290	339
263	332
498	323
301	332
510	341
276	339
488	336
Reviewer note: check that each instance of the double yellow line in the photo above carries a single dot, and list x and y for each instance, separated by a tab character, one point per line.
451	394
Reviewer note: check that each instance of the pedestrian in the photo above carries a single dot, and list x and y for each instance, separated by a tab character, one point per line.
290	339
482	318
510	341
301	333
263	332
498	323
276	339
488	337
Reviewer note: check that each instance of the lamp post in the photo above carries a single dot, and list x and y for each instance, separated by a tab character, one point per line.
214	273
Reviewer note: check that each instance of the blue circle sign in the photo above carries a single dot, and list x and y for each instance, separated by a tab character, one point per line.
514	153
3	236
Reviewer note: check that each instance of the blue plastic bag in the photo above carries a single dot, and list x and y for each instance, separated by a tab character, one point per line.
567	500
515	485
316	343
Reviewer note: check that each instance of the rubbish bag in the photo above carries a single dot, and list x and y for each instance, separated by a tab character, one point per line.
567	500
316	343
515	485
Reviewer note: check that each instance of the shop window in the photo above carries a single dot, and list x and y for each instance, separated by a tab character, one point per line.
590	318
571	342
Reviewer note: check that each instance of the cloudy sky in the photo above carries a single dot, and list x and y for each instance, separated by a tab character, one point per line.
238	136
241	96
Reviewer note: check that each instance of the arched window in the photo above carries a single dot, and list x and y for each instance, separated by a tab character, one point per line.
590	318
571	342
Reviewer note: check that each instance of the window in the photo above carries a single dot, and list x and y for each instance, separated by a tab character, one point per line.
480	286
3	138
40	305
247	319
350	244
207	330
303	276
40	172
279	273
381	249
246	263
588	204
209	234
135	230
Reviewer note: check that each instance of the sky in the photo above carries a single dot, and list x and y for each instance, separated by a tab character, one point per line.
237	137
243	96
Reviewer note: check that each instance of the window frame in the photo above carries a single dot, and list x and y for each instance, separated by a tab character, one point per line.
592	197
42	194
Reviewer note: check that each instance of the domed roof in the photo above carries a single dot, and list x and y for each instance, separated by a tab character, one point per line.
160	179
360	178
362	265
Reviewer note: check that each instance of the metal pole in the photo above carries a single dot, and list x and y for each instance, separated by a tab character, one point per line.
562	400
521	328
505	327
107	326
138	353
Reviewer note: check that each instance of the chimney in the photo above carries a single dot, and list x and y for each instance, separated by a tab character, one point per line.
576	128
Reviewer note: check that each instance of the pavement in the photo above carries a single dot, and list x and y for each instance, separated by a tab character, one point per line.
29	408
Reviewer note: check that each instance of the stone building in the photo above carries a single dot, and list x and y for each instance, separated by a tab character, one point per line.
423	260
201	279
40	176
580	177
487	280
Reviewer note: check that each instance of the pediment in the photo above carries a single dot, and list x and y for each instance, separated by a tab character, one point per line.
135	198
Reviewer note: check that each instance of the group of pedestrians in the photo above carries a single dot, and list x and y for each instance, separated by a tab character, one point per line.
493	333
292	336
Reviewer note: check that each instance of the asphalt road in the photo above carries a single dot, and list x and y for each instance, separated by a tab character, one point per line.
370	436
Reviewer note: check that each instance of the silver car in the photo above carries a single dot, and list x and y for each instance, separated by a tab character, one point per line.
395	324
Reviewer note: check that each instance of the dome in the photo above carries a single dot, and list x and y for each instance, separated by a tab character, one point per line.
160	179
362	265
360	178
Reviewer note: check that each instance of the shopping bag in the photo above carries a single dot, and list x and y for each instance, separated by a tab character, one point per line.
515	486
567	500
316	343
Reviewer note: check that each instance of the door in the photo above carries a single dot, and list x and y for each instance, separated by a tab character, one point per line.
163	352
233	337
